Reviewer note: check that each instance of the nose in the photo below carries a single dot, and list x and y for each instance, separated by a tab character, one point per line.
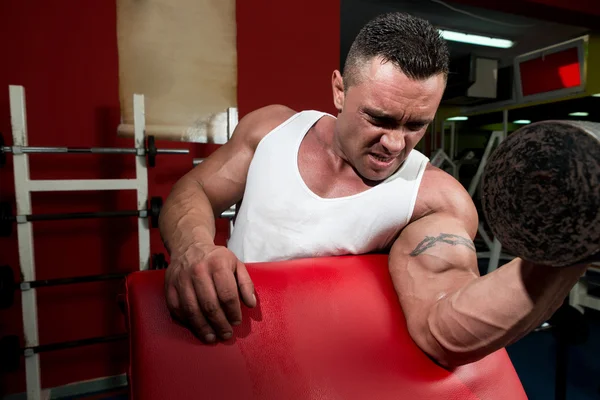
394	141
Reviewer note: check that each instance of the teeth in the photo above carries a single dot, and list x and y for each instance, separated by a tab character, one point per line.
381	158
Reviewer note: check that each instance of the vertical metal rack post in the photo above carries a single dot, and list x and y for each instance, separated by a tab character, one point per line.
24	186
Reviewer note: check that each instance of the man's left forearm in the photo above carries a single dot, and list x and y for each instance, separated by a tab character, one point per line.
495	310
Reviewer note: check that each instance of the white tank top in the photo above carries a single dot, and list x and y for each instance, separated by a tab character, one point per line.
280	218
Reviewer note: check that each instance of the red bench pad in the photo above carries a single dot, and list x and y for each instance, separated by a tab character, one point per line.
324	328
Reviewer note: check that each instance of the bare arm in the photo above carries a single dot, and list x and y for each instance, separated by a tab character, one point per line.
204	282
201	195
453	314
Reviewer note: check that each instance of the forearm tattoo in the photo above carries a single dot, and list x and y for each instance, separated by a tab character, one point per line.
447	238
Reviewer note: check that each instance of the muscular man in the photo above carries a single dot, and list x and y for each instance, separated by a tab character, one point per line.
315	185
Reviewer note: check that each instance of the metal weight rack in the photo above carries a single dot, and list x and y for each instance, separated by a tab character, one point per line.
24	186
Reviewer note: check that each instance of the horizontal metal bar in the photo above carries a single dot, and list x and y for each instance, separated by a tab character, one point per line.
77	389
95	386
82	184
83	215
77	343
71	150
74	280
84	150
172	151
108	150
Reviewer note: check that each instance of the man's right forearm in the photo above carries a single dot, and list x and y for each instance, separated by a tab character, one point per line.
497	309
186	217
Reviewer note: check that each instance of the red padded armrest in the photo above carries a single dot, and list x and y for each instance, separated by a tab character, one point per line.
326	328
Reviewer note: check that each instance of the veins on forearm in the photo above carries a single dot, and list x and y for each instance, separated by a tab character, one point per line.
453	240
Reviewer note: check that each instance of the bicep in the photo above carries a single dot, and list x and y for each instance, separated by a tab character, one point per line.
432	257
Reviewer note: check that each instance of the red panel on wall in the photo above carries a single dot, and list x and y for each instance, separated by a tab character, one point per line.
287	53
550	72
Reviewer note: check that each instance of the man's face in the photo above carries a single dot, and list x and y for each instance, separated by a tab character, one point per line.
384	115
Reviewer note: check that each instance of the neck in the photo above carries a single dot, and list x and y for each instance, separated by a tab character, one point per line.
342	164
324	134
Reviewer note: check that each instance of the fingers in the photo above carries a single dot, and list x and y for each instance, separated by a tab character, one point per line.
206	296
245	285
227	294
172	300
209	303
190	312
172	294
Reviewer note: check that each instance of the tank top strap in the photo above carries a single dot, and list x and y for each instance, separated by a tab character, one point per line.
293	129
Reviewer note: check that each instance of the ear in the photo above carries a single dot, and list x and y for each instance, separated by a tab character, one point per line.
337	85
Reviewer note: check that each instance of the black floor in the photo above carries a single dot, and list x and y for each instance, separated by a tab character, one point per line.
534	358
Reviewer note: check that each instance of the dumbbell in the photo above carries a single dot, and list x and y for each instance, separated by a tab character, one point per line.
8	286
7	218
541	193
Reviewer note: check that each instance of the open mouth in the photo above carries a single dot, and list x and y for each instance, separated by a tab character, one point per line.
380	160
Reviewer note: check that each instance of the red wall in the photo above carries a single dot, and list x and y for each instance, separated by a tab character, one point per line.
287	53
65	55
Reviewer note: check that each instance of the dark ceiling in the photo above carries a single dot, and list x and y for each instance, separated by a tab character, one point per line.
529	34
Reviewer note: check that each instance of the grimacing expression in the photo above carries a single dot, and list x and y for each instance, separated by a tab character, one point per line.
384	114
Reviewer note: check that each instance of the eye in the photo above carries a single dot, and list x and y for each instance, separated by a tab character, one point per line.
376	121
382	122
416	126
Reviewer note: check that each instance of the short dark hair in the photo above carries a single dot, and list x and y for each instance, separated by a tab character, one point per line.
410	43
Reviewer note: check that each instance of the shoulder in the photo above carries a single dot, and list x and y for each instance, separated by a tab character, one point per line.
440	193
254	126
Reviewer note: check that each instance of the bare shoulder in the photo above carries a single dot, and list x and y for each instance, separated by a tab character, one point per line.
254	126
441	193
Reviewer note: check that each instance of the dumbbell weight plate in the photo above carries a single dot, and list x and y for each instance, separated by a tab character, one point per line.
151	151
540	192
156	204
